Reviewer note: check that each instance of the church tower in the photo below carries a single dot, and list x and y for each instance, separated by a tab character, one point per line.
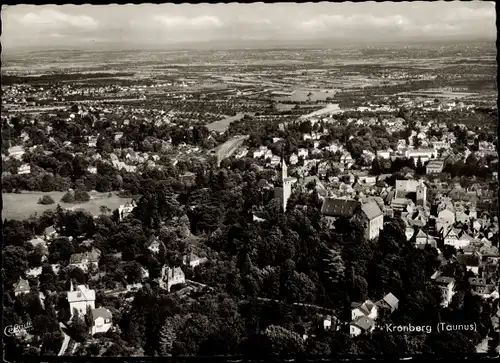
287	184
421	194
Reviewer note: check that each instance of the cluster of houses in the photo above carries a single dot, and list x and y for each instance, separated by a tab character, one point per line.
81	299
364	315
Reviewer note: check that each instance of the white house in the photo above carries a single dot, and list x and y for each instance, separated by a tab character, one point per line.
294	159
409	232
445	219
154	246
275	160
24	169
367	309
22	287
101	319
452	239
384	154
126	209
304	153
346	158
260	152
92	170
80	298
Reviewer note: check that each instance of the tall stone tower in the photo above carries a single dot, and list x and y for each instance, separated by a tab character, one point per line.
421	194
287	184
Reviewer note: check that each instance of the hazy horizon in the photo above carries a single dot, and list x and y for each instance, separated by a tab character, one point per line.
239	26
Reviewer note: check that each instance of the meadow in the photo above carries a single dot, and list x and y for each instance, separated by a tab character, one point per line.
23	205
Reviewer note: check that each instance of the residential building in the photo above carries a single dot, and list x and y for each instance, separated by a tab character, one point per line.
80	298
472	262
346	158
403	205
22	287
384	154
294	159
367	309
275	160
409	232
451	239
192	260
389	302
480	287
423	154
50	232
16	152
170	277
333	208
303	153
24	169
434	167
422	239
445	219
154	246
126	209
83	260
260	152
361	325
101	319
374	218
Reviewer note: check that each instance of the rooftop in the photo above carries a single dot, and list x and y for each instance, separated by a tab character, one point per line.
339	207
371	210
101	313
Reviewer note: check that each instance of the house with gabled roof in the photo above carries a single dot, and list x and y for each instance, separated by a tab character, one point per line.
334	208
50	232
451	238
361	325
101	320
82	260
409	232
22	287
80	298
192	260
472	262
374	218
465	240
367	309
389	302
154	245
422	239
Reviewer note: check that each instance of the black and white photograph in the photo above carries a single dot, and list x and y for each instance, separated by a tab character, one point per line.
250	180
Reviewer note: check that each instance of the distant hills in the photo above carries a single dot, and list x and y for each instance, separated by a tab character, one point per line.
253	45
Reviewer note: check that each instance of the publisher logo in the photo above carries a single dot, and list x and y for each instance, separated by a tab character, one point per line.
17	329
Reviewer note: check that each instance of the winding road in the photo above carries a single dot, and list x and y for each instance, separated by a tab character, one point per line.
65	341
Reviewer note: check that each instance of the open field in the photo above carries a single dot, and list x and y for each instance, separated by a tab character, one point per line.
23	205
438	94
303	95
222	125
330	108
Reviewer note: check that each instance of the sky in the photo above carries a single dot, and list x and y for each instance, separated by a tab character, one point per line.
86	26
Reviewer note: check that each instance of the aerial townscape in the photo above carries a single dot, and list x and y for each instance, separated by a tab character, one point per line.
265	197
